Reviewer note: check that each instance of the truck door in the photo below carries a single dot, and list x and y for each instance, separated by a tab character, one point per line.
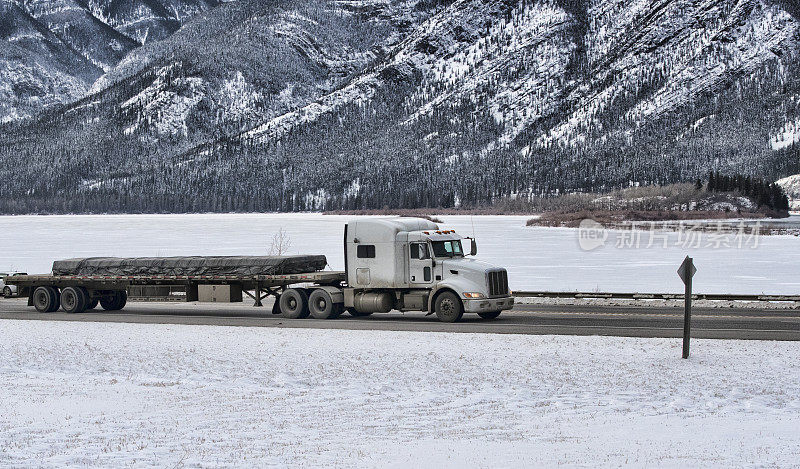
420	269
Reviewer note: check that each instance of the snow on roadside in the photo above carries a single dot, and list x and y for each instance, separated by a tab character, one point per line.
166	395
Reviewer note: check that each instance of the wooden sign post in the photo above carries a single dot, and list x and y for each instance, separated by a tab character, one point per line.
686	271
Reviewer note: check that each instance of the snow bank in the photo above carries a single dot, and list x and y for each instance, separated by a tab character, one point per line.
165	395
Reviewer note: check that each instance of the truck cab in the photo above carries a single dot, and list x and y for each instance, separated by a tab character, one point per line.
410	264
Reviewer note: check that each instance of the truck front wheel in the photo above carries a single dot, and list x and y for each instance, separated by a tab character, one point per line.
294	303
448	307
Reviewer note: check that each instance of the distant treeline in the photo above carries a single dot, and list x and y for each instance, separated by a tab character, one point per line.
766	194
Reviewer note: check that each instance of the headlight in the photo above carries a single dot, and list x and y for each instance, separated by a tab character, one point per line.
473	295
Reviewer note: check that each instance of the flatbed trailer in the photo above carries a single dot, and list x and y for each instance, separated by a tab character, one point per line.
44	291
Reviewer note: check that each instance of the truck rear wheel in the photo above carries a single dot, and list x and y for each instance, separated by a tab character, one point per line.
448	307
294	303
321	305
489	314
46	299
74	300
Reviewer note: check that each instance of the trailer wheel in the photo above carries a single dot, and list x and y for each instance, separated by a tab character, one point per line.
321	305
448	307
489	314
122	296
108	303
74	300
115	301
46	299
92	304
294	303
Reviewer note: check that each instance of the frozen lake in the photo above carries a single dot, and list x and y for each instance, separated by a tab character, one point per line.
536	258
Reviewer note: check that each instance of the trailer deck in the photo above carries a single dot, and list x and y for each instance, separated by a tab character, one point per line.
261	285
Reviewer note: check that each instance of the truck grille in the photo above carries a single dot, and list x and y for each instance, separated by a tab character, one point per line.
498	282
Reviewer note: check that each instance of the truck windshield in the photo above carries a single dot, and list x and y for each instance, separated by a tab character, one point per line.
447	249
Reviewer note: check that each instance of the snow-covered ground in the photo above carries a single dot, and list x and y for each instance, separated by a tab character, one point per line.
163	395
537	258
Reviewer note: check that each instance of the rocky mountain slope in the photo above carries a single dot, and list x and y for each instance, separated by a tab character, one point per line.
51	51
791	185
351	104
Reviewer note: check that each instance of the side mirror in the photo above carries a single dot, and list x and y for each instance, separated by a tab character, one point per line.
473	248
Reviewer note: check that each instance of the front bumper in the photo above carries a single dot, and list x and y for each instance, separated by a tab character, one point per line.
488	304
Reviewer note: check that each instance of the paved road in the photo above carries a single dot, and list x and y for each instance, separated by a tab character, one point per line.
629	321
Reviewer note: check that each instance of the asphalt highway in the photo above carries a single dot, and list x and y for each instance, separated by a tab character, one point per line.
627	321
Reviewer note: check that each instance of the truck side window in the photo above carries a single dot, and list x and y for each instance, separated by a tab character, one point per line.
365	251
419	251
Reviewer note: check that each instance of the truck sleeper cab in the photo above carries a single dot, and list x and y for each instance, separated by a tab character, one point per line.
409	264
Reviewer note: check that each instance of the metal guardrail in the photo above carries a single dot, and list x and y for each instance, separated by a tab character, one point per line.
652	296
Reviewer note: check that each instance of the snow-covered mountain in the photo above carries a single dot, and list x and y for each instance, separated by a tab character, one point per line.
366	103
51	51
791	185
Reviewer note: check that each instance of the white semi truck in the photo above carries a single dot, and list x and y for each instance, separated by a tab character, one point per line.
405	264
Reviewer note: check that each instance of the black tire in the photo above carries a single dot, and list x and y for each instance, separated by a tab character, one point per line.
490	314
109	303
57	303
7	293
114	302
92	304
294	303
46	299
74	300
356	314
448	307
320	305
122	296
